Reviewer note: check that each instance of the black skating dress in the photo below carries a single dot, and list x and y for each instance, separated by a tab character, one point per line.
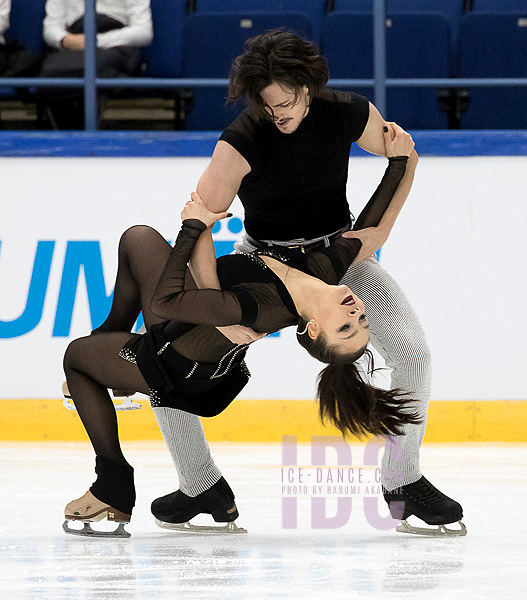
187	363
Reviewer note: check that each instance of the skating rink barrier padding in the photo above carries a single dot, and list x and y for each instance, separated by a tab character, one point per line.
491	160
201	143
266	421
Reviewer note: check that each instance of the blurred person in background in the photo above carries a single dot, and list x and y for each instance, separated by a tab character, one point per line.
123	27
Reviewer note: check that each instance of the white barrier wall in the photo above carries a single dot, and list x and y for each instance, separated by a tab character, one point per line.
458	250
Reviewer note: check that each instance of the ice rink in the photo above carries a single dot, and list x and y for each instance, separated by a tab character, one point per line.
39	561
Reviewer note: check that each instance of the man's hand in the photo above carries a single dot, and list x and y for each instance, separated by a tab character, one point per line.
195	209
73	41
372	239
238	334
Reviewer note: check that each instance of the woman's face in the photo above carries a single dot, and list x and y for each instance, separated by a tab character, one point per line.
286	111
342	320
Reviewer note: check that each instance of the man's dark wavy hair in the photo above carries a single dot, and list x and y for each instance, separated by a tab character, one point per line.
276	56
352	405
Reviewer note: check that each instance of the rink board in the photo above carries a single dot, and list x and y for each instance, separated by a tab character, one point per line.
266	421
458	250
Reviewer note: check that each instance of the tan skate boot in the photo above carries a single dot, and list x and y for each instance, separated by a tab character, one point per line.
89	509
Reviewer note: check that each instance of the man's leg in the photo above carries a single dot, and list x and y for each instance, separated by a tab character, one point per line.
399	338
184	436
188	447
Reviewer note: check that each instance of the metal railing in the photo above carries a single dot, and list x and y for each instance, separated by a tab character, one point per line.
91	83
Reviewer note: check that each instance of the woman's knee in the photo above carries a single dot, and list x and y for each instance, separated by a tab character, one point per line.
139	234
75	353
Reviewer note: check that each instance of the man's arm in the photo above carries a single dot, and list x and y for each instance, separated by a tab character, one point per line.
372	138
216	190
203	267
217	187
222	178
139	31
54	26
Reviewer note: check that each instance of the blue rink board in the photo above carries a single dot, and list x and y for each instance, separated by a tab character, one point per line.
197	143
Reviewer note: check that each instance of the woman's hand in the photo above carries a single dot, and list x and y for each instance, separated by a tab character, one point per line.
195	209
372	238
238	334
401	144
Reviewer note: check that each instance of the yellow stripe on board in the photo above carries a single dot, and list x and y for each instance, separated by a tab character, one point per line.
266	421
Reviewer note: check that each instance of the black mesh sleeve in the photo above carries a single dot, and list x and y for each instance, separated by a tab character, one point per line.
208	307
372	213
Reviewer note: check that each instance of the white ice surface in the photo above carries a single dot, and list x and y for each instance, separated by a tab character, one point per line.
39	561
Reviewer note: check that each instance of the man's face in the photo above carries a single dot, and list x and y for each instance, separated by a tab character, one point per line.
286	112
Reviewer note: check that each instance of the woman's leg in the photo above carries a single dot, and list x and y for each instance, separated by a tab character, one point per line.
398	336
92	364
142	256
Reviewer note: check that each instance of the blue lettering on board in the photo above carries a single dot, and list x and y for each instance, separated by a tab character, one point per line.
82	255
88	256
36	295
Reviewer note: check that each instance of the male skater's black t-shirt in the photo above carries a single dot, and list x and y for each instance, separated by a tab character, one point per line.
297	184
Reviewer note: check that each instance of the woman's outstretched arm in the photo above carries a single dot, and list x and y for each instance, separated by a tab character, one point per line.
202	262
200	306
373	226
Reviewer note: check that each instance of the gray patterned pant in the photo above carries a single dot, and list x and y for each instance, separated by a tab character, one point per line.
398	337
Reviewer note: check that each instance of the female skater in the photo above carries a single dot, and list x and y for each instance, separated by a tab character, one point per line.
183	357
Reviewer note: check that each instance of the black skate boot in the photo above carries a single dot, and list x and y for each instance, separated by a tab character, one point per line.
427	503
175	510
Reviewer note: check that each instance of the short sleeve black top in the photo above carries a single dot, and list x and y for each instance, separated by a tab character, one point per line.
297	184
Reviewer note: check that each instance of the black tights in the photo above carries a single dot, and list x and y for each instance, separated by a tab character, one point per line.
92	364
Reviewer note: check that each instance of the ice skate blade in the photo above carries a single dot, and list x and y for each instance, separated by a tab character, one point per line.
439	531
87	531
126	404
228	528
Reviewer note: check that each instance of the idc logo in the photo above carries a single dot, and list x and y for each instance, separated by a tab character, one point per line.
82	257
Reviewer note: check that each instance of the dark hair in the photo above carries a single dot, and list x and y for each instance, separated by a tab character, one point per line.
276	56
352	405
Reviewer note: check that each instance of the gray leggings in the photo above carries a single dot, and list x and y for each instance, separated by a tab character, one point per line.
398	337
